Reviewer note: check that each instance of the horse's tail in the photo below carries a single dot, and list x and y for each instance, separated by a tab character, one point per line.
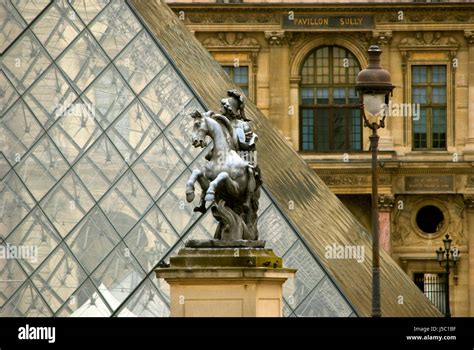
234	225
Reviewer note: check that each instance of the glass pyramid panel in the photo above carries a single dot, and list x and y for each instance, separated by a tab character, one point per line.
323	301
12	277
42	167
118	275
19	129
57	27
95	155
26	302
50	97
35	231
11	24
110	95
146	302
88	9
75	133
30	9
151	239
4	166
140	62
92	239
133	131
158	166
58	277
8	95
83	61
25	61
100	167
15	203
115	27
67	203
85	302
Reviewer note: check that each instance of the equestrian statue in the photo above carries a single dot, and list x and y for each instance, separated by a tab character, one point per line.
230	179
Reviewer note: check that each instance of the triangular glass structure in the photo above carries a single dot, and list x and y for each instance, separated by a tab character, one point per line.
96	150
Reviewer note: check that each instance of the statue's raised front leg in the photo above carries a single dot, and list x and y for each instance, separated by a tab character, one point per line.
204	183
190	184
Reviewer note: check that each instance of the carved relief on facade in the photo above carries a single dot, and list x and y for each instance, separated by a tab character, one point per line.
382	37
418	17
424	39
386	202
278	37
469	201
231	40
470	181
406	233
469	35
297	41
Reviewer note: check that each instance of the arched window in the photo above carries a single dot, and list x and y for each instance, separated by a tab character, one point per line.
329	107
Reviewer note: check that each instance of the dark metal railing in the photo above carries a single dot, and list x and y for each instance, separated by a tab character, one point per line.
434	286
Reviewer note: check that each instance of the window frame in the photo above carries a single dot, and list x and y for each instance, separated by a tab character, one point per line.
330	105
429	105
232	77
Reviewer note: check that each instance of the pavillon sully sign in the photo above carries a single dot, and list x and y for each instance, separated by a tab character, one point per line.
328	22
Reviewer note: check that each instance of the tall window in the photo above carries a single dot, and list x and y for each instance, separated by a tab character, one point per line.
329	107
429	91
240	76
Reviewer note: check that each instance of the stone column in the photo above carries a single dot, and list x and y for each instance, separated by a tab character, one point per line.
225	282
293	112
386	203
469	148
279	67
469	201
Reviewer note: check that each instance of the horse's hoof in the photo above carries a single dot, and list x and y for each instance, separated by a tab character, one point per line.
209	197
190	196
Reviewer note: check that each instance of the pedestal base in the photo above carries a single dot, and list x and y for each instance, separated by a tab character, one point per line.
225	282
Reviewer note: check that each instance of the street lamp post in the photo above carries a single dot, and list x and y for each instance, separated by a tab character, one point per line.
374	87
448	262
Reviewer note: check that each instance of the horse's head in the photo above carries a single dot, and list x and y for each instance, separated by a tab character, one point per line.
200	129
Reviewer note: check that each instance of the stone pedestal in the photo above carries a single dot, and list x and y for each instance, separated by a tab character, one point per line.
225	282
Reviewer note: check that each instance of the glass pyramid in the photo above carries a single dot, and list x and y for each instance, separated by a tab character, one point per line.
95	151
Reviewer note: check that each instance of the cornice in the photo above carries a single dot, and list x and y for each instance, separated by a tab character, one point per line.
395	171
270	18
309	8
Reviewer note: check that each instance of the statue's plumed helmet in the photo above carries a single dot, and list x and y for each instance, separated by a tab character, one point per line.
236	103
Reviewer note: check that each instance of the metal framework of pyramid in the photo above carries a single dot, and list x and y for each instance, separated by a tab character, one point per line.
95	151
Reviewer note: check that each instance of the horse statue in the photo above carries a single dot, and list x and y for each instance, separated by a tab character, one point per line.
228	179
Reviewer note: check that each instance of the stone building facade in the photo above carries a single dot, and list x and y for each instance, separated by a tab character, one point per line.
298	62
